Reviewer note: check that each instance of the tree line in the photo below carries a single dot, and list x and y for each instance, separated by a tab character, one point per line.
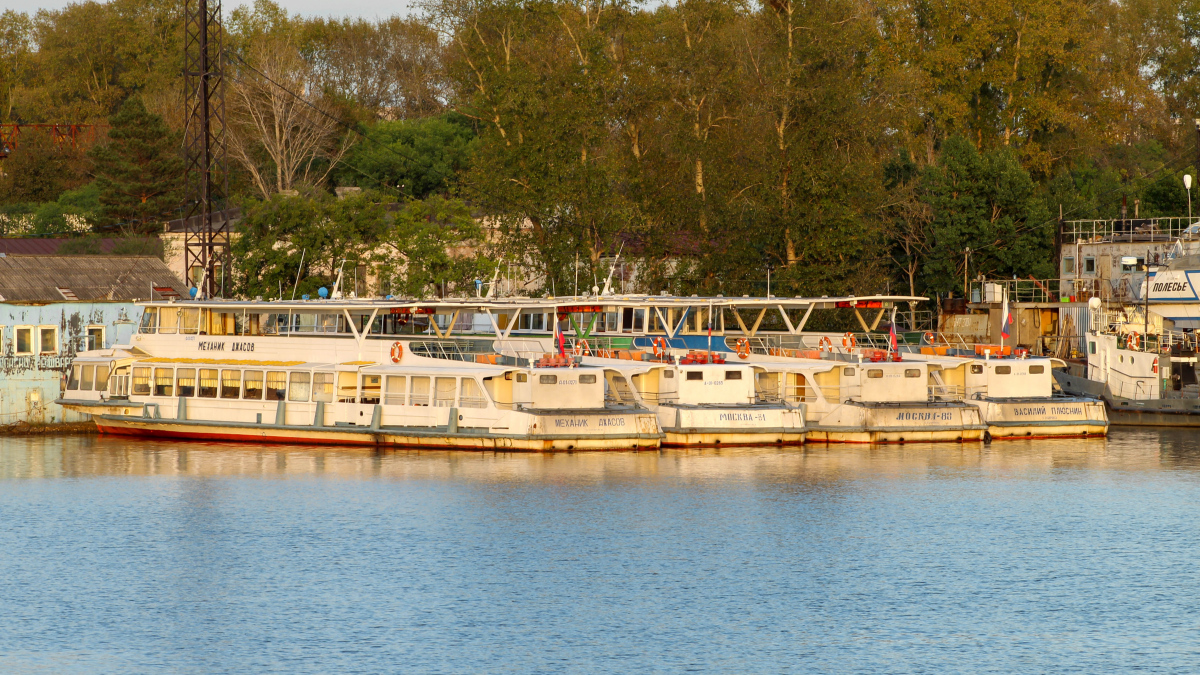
839	147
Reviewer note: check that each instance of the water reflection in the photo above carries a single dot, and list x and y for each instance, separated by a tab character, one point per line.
78	457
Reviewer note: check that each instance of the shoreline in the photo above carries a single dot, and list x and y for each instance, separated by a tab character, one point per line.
53	429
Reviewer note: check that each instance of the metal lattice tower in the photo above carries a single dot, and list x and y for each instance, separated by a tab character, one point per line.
206	226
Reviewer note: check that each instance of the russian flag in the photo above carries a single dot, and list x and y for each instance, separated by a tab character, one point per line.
1006	322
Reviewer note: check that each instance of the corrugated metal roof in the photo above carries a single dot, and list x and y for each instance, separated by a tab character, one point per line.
38	278
46	246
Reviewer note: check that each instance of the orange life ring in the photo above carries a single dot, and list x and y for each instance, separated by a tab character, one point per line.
848	341
1154	366
1133	341
930	338
742	348
825	344
660	347
397	352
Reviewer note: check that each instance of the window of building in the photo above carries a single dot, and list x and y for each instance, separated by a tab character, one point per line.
1069	265
1089	265
95	337
48	339
24	338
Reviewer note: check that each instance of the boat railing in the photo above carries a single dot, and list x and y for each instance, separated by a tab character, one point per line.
946	392
1127	229
453	350
472	402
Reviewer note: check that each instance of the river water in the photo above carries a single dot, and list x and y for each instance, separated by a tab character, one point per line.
135	557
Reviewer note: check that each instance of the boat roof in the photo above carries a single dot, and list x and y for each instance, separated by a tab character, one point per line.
549	303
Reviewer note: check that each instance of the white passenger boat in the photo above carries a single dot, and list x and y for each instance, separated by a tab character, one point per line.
706	401
337	372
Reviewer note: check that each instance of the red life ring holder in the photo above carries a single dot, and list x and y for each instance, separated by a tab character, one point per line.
848	341
930	338
660	347
581	348
742	348
1154	366
825	344
397	352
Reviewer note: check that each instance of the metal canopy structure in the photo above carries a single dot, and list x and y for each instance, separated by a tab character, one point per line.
206	239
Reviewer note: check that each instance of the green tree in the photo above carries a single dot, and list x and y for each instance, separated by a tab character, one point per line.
415	158
432	247
139	172
986	202
40	169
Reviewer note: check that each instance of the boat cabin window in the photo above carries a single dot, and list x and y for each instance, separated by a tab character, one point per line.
522	377
300	387
472	396
189	320
733	374
1069	265
532	322
370	389
976	368
164	382
252	385
86	377
444	388
323	387
168	320
1037	370
276	385
185	381
347	387
1091	347
73	382
420	391
633	320
231	381
1003	370
695	375
208	383
587	379
397	390
874	373
102	377
848	372
668	374
1089	265
149	320
547	379
912	372
141	381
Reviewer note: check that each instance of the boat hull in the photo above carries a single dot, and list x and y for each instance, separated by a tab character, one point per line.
898	423
1042	418
713	426
202	430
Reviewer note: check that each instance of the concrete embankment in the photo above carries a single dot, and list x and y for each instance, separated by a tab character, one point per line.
57	429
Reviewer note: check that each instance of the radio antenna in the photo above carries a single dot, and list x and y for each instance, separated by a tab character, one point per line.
298	270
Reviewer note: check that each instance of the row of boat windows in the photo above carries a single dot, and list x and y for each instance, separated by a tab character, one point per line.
305	386
195	320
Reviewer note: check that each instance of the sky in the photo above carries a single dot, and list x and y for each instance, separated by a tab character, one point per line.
367	9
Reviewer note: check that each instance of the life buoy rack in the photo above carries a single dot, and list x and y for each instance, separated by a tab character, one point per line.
660	347
397	352
825	344
743	348
582	348
1134	341
848	341
930	338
